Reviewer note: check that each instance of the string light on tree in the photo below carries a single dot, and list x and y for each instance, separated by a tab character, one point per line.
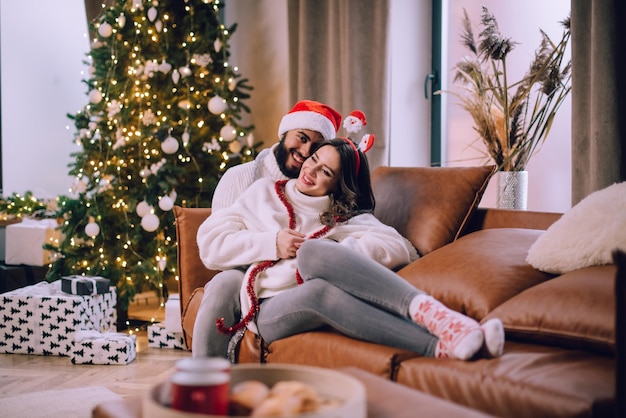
156	67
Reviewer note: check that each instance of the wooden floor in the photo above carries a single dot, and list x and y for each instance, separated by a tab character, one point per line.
21	373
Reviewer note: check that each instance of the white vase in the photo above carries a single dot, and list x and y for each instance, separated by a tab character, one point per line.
512	189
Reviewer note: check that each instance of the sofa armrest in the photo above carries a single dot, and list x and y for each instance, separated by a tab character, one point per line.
192	274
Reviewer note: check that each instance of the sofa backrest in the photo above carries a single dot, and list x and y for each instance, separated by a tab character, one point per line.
429	205
488	218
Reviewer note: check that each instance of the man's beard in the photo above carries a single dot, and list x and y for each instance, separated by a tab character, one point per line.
282	154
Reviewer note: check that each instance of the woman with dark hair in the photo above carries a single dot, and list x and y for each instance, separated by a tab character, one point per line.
328	211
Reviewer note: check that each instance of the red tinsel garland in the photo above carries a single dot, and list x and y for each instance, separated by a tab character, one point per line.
279	187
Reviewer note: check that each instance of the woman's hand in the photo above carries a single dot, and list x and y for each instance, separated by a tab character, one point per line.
288	242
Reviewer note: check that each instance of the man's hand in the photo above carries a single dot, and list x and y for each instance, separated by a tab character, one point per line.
288	242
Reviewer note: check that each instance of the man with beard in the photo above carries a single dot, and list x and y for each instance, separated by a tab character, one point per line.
306	123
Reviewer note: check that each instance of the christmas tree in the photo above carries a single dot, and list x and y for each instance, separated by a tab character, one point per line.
162	123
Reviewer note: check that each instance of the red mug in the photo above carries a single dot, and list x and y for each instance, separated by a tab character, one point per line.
200	393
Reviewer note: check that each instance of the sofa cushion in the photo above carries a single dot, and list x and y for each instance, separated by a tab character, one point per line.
529	380
429	205
586	235
329	348
387	399
575	310
479	271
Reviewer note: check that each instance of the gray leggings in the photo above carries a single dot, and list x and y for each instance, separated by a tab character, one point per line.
349	292
342	289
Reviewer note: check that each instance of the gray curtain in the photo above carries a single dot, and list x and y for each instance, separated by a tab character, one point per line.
598	95
337	55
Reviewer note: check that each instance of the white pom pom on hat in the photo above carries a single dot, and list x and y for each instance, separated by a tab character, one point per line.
311	115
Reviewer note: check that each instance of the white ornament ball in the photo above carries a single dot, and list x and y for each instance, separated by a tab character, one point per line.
92	229
170	145
105	30
158	25
121	20
175	76
185	138
95	96
166	203
143	208
228	132
150	222
217	105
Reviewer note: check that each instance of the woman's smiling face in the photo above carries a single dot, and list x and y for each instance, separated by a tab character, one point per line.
320	172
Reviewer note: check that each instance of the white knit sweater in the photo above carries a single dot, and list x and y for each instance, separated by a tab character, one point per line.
244	234
238	178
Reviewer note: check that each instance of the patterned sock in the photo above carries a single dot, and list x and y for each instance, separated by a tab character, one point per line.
460	337
494	337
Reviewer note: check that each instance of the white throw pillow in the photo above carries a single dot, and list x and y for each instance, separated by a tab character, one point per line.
584	236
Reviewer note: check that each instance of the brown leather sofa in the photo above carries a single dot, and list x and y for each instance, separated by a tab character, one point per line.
559	358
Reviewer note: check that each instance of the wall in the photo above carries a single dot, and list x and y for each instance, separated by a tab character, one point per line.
550	170
41	83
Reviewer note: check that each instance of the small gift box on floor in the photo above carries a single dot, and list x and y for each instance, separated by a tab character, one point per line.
41	319
172	321
159	337
24	241
92	347
85	285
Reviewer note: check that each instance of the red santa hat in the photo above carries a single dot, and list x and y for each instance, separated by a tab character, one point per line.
315	116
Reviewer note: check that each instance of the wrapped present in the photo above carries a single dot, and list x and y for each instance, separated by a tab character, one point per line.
93	347
15	276
42	319
85	285
172	314
159	337
24	241
12	277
